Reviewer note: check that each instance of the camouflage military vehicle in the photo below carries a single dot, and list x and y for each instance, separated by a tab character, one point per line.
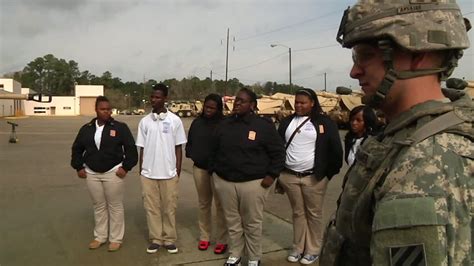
275	108
457	87
339	105
183	109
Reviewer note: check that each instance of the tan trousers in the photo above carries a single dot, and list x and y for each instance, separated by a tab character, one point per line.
160	198
106	191
243	204
205	189
306	196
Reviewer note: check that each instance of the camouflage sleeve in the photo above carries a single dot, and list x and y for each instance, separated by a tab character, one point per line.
423	212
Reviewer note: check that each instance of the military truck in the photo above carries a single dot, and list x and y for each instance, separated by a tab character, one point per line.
183	109
457	87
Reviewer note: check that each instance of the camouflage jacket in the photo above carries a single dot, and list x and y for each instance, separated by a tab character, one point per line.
411	203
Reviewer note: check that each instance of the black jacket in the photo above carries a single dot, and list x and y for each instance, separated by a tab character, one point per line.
117	146
198	147
328	152
247	148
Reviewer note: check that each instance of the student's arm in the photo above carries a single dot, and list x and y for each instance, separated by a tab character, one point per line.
276	152
77	160
179	158
189	145
130	150
141	160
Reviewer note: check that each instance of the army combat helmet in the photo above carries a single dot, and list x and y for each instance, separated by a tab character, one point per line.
414	25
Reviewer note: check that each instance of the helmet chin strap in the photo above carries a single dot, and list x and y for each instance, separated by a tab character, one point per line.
391	75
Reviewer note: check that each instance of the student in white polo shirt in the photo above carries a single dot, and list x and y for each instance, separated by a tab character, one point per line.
160	137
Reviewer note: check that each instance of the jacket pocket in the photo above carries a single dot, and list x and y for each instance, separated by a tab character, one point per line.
404	228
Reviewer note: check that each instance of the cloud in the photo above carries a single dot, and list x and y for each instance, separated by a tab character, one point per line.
178	38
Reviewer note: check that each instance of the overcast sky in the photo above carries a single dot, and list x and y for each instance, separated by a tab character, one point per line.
165	39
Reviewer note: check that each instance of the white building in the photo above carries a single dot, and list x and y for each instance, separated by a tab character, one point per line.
10	107
82	103
85	98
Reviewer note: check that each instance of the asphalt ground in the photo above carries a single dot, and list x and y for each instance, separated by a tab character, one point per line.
46	215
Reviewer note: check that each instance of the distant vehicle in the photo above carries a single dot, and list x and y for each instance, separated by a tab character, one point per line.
138	111
125	112
183	109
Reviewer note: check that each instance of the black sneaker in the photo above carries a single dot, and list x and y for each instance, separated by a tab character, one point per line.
172	249
153	248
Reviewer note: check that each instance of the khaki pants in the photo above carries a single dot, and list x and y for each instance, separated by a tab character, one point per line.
160	198
205	189
243	204
306	196
106	191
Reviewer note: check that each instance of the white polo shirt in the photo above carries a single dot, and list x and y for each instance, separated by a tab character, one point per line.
300	153
158	138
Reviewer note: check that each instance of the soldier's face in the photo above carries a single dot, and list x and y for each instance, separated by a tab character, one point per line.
368	67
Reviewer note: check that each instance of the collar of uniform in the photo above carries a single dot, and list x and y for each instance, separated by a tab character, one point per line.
92	122
404	119
246	118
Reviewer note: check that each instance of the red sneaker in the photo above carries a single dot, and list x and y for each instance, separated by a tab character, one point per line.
220	248
203	245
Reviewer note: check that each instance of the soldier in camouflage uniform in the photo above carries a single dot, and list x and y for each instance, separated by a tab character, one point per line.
407	200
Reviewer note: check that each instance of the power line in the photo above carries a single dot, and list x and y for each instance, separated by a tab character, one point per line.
279	55
313	76
259	63
316	48
287	26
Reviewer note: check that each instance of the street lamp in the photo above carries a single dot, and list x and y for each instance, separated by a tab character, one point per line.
289	57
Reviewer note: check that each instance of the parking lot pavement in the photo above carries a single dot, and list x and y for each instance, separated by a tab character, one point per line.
46	213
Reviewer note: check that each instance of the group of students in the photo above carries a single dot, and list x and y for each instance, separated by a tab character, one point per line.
237	160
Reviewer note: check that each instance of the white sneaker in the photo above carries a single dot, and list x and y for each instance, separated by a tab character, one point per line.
254	263
294	256
232	261
309	259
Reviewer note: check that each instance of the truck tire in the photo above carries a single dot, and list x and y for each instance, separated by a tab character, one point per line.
188	114
180	114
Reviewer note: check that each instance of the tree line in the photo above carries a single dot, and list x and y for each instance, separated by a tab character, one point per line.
57	77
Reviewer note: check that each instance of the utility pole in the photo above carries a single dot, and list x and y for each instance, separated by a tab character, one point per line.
289	62
324	81
226	62
289	55
143	96
211	75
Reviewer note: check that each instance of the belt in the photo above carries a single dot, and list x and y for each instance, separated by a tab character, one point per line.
299	174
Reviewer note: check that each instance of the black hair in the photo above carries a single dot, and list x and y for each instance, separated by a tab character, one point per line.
218	100
370	124
370	119
251	94
316	110
100	99
161	87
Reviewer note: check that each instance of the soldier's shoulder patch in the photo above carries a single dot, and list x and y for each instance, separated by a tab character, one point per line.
408	255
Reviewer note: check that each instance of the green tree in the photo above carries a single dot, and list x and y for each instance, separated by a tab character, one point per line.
49	74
